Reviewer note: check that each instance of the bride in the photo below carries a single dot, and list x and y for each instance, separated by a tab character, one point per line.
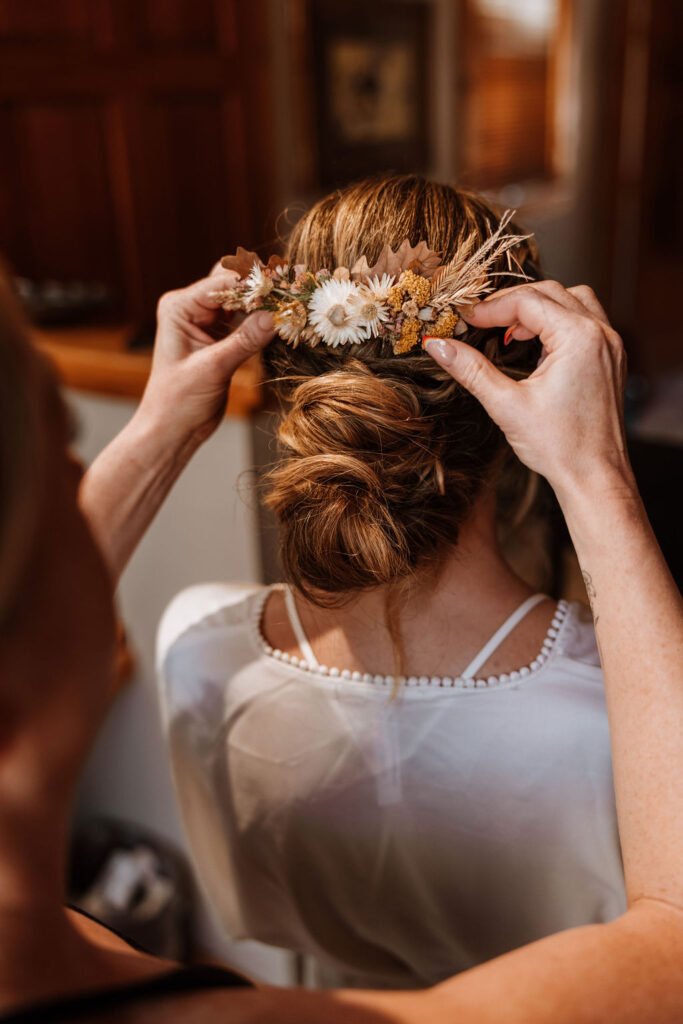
56	597
398	759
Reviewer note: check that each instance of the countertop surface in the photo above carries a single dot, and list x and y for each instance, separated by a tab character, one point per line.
97	359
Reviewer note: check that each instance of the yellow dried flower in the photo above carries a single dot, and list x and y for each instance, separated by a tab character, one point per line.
411	332
297	313
418	287
395	298
290	319
443	328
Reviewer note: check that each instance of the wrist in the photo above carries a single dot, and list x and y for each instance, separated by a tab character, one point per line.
156	439
595	498
162	414
602	480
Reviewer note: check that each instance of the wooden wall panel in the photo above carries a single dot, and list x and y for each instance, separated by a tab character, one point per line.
48	24
192	189
135	140
13	239
64	217
190	24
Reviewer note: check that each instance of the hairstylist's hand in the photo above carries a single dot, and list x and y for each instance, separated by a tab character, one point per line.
182	405
188	387
565	420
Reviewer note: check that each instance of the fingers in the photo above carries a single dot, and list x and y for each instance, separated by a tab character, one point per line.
581	298
250	337
201	291
553	290
570	298
587	297
531	308
517	333
195	302
474	371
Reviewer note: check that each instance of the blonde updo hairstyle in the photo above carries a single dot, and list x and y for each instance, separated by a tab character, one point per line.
382	456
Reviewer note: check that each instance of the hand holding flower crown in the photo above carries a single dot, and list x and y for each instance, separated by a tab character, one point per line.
565	421
188	387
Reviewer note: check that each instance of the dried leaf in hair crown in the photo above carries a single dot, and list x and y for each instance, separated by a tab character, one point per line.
242	262
419	258
276	262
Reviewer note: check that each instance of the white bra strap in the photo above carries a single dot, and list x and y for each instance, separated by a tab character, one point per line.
500	634
298	629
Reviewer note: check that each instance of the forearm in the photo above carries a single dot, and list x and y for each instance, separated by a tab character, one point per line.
126	485
639	625
626	971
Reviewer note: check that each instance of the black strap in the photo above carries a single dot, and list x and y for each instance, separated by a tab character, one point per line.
182	979
119	935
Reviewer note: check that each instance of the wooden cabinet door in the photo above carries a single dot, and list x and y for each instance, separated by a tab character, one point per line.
134	140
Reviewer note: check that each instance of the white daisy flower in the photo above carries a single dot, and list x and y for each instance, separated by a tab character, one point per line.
371	310
258	284
379	287
332	312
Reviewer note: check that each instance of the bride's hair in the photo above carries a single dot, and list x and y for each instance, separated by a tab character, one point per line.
382	455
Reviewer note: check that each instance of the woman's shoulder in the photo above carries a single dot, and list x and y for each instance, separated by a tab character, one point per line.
203	610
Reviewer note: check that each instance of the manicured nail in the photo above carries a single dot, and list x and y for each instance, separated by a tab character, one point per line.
441	350
507	337
264	322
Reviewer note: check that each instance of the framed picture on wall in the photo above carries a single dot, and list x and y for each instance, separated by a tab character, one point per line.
371	87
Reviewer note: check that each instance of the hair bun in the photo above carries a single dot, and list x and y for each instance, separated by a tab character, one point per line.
356	455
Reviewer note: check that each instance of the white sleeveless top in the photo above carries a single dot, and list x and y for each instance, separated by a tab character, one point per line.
398	841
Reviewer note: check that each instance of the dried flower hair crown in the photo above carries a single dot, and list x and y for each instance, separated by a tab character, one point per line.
407	294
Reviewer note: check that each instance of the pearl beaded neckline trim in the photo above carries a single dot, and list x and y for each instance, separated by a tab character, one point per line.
446	682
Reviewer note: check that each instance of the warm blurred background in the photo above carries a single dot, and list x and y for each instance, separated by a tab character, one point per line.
142	139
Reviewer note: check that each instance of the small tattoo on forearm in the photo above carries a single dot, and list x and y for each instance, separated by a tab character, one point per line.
590	589
592	593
